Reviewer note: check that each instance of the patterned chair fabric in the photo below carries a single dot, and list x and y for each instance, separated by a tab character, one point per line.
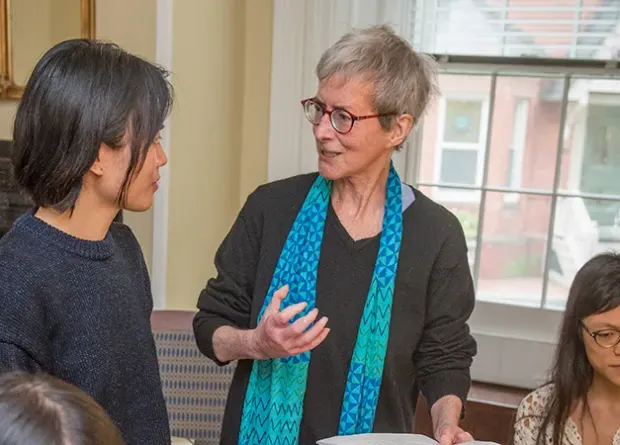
195	388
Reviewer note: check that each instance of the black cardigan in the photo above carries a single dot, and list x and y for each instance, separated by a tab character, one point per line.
429	348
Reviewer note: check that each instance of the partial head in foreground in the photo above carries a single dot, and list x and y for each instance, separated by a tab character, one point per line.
43	410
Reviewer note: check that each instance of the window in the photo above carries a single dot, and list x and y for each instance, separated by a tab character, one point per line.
539	154
564	29
541	199
462	130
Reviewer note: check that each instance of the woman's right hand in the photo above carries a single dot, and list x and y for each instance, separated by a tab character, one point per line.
274	337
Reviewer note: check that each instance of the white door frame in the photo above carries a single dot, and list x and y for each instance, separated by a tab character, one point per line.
159	261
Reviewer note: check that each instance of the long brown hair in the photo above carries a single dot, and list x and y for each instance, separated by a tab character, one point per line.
43	410
595	289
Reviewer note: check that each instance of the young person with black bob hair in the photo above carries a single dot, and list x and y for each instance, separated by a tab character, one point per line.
581	404
74	288
38	409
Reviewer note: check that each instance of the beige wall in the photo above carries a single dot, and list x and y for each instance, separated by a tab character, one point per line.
222	65
131	24
7	114
30	35
65	20
256	91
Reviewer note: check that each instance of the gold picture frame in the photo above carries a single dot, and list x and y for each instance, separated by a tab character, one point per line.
9	90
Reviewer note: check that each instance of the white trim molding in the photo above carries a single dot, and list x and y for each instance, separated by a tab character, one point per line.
159	261
516	345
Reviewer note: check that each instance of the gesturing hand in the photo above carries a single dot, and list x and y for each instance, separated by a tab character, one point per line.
274	337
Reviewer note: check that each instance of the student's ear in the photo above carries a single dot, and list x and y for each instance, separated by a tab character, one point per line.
104	159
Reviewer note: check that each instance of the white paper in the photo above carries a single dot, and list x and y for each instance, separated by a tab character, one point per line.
379	439
387	439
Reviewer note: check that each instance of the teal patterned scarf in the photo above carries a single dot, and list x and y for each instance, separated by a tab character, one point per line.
273	405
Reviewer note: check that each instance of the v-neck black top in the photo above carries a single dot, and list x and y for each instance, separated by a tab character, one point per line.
429	347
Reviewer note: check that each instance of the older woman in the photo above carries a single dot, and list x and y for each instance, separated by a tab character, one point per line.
383	262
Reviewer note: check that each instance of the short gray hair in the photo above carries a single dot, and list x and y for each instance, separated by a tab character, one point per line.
404	80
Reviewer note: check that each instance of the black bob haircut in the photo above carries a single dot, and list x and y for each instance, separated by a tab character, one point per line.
81	94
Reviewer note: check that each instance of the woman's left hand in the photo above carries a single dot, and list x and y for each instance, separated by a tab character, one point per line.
452	434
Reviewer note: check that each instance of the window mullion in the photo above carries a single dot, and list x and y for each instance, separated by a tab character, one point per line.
485	174
576	20
556	184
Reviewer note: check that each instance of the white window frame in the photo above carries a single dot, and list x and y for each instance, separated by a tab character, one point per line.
516	344
518	141
459	196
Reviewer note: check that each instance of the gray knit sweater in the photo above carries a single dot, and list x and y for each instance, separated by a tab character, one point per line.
80	310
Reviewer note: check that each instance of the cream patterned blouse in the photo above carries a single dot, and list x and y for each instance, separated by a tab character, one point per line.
529	419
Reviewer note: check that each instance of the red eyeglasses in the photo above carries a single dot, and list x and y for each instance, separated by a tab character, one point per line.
342	121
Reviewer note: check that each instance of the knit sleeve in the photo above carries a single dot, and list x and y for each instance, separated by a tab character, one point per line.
227	298
446	349
24	343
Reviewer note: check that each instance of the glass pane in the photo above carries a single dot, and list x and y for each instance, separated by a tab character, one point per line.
513	249
577	237
465	205
591	157
540	28
462	121
459	166
458	115
526	127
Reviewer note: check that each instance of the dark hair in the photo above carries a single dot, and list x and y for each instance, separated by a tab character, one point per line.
83	93
595	289
43	410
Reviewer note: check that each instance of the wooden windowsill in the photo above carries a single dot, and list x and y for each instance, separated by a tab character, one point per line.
497	395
